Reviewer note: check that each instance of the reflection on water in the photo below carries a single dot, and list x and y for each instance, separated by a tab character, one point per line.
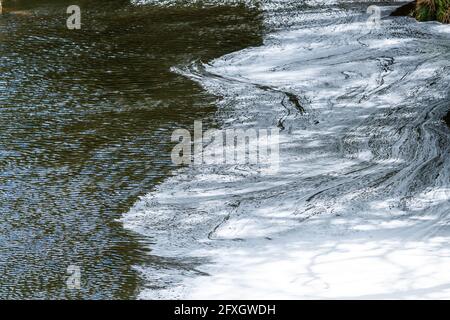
86	118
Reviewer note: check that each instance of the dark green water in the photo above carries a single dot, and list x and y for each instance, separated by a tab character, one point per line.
85	123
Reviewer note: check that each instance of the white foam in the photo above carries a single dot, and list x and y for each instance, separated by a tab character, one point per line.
359	207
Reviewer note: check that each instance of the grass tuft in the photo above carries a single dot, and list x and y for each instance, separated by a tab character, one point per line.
427	10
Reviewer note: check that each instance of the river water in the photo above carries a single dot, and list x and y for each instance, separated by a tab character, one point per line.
85	123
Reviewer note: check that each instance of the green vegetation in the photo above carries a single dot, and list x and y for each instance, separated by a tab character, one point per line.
427	10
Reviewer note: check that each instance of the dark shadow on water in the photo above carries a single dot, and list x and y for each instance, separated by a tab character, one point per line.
404	10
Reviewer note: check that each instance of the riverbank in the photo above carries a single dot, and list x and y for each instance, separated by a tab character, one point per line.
426	10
